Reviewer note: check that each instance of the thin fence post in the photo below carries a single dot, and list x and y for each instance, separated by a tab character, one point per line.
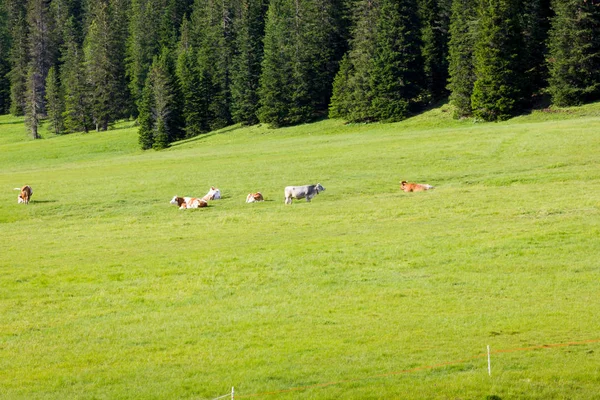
232	393
489	361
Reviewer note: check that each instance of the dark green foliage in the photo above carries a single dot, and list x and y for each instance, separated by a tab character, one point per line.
302	41
435	19
34	100
382	79
246	68
461	67
146	119
498	89
535	25
4	60
352	90
153	24
160	108
77	114
54	102
397	75
193	99
212	24
19	55
100	52
574	59
42	51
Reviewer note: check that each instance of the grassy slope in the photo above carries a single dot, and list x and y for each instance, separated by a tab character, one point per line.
107	291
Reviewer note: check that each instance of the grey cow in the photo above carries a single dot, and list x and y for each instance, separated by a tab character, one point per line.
300	192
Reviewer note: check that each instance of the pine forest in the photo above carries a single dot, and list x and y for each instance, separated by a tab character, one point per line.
181	68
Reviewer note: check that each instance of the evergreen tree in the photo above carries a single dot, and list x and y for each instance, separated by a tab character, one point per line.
397	75
54	101
535	23
352	90
146	108
498	89
461	67
4	60
195	106
246	68
213	28
19	55
102	56
77	114
143	43
34	110
382	76
160	109
153	24
574	52
302	39
435	17
41	58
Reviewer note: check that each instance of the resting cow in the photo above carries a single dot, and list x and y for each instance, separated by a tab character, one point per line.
414	187
188	202
254	197
300	192
213	194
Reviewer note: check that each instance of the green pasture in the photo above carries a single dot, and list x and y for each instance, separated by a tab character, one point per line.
107	291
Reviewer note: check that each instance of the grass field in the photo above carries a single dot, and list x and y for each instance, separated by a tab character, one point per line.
109	292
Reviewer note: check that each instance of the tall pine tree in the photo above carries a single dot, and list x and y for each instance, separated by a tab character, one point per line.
535	26
160	108
461	68
435	17
195	106
498	89
397	75
54	102
246	68
4	60
78	114
212	23
381	79
42	52
574	52
19	55
302	41
102	53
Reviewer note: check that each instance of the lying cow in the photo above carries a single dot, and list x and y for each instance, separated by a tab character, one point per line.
254	197
414	187
300	192
188	202
24	195
213	194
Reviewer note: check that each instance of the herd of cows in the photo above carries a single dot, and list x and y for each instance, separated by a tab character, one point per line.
291	192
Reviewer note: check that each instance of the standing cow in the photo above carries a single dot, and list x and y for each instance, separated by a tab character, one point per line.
300	192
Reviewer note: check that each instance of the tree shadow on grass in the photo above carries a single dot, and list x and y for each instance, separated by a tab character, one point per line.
204	136
42	201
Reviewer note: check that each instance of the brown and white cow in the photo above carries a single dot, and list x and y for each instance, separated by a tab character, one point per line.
213	194
254	197
24	195
414	187
188	202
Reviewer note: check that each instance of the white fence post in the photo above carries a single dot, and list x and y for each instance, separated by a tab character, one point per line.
489	361
232	393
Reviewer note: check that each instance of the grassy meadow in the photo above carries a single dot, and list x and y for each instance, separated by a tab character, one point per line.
107	291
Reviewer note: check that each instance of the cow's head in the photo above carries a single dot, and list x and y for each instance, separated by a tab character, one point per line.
177	200
319	188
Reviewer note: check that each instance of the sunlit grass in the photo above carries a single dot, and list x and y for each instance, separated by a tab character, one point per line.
108	291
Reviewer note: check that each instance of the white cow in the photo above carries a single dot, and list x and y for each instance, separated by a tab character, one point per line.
300	192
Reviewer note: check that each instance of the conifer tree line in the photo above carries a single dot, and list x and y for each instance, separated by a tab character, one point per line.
185	67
